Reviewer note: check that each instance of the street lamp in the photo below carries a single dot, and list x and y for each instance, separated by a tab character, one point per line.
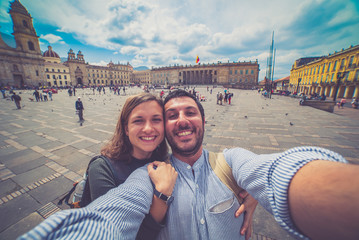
340	75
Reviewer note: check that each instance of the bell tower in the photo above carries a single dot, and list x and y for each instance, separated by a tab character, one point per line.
24	32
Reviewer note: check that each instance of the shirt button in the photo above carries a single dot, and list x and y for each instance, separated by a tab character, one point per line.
202	221
188	167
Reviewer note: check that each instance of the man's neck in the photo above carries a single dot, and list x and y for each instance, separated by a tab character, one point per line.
189	159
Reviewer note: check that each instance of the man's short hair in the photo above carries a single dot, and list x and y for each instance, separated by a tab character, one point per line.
182	93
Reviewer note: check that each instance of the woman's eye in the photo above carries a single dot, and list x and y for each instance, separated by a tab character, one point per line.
157	120
138	121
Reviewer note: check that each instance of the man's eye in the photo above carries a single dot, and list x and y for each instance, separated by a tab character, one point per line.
171	116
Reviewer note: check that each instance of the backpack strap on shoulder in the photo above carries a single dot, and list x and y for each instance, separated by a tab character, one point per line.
224	173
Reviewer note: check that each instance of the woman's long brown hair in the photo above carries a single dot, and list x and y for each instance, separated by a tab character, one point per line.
119	148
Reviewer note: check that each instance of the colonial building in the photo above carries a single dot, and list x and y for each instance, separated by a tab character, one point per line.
142	77
23	65
236	75
57	74
335	74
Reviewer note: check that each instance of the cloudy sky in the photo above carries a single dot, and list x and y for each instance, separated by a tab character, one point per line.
162	33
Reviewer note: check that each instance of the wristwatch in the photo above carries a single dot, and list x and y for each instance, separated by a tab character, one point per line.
168	199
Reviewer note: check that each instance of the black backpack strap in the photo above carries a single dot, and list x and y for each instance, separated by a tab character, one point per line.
86	195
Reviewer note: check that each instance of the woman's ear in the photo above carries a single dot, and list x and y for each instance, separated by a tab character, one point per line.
126	130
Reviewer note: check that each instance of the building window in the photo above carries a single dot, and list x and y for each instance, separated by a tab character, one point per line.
326	78
246	73
59	76
24	23
323	68
31	46
55	83
47	69
65	82
342	63
65	77
252	72
60	82
64	71
351	61
53	70
328	70
235	71
230	72
48	76
356	77
53	77
37	72
335	66
332	77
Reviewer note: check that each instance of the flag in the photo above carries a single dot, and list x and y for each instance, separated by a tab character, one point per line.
197	59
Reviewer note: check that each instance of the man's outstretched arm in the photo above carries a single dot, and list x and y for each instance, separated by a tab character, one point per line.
323	200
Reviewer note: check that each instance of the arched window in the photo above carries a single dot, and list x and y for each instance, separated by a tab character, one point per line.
24	23
31	45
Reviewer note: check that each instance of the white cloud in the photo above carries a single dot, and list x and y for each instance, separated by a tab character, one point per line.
51	38
101	63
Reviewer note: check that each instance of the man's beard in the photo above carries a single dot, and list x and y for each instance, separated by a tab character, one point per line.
187	152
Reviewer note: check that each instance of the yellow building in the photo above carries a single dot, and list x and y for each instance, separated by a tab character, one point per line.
337	73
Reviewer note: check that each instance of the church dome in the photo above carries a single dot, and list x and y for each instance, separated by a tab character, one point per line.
50	53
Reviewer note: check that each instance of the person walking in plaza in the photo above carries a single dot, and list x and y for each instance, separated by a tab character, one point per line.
37	95
74	90
50	95
230	95
3	91
44	95
16	99
79	108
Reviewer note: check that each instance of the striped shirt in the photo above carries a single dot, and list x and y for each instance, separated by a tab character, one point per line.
203	207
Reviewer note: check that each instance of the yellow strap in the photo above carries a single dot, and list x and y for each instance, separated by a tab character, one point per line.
224	173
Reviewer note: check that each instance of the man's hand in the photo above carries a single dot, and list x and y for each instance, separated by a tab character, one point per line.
247	207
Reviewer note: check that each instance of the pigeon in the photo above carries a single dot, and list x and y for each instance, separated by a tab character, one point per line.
245	117
290	123
286	114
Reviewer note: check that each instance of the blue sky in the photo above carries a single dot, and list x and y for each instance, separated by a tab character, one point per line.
162	33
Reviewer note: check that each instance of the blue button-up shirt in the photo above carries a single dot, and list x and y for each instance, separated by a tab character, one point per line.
203	207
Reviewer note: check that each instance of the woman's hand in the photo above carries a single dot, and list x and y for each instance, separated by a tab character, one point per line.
247	207
163	176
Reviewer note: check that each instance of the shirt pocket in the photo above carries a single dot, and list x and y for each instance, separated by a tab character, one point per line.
222	206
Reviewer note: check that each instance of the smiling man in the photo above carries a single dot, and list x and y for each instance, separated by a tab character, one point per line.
294	186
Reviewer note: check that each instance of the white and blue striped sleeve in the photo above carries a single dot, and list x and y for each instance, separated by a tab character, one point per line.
116	215
267	177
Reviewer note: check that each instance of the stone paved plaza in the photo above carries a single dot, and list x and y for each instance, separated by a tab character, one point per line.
44	149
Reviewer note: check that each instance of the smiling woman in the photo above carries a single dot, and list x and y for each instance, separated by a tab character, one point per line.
138	140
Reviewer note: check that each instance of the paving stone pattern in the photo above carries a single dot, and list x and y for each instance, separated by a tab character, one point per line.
44	149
